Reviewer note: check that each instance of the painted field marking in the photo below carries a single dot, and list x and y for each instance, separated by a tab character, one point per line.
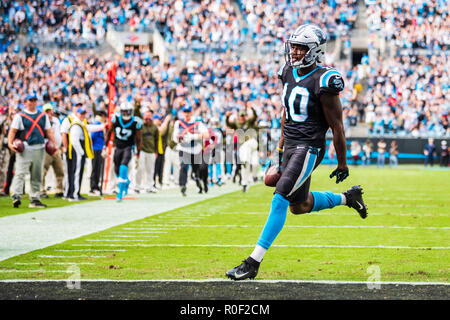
138	232
266	213
57	263
252	245
128	236
113	240
146	229
35	271
309	226
94	250
79	256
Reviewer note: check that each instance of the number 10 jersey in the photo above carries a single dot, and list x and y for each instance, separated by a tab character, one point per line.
305	122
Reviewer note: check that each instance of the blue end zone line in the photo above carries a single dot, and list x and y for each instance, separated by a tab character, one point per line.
229	281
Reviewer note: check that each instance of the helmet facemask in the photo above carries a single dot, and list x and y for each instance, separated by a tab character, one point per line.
126	110
311	37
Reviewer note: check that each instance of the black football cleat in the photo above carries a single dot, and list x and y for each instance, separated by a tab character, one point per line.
248	269
355	200
16	202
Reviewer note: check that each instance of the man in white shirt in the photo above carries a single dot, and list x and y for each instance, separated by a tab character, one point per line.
54	160
32	128
189	135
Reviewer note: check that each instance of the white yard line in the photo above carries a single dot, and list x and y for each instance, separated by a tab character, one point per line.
300	226
80	256
252	245
88	250
23	233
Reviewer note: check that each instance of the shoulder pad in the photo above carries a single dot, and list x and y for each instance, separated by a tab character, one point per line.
332	79
281	71
139	122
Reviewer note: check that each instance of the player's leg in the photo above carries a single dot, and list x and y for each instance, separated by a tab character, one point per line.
295	167
184	165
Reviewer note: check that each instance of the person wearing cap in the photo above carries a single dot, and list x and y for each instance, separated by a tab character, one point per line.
144	175
54	160
32	127
189	134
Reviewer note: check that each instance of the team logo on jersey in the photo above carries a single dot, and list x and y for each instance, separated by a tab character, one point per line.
336	82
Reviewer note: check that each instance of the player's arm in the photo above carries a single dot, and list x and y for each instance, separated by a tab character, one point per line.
253	117
165	125
332	110
139	140
49	132
50	136
230	124
11	135
108	134
281	141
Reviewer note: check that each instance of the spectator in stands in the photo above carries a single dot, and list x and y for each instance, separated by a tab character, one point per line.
381	149
393	154
429	152
367	152
445	151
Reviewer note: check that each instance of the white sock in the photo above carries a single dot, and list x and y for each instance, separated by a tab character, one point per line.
344	199
258	253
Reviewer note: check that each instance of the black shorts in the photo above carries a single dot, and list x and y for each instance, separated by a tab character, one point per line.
298	164
122	156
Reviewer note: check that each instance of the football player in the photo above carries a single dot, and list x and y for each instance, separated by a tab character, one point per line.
311	103
127	130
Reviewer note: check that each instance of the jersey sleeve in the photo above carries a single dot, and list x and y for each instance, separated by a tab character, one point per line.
113	118
281	72
331	82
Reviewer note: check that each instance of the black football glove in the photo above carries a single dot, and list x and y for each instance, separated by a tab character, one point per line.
341	174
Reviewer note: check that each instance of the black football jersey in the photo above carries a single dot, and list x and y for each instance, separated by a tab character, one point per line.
305	122
125	132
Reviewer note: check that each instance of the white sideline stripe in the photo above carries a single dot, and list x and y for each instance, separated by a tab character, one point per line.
38	270
299	226
121	236
252	245
150	230
137	232
85	250
57	263
265	213
113	240
226	281
80	256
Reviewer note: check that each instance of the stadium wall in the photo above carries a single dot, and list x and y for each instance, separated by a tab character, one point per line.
410	149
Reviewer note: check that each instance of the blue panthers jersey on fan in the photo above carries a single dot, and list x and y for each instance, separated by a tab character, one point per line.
125	130
305	122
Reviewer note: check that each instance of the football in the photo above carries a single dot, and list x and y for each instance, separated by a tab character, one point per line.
272	176
18	144
50	148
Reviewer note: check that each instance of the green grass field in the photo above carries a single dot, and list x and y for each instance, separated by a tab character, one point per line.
406	236
7	209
